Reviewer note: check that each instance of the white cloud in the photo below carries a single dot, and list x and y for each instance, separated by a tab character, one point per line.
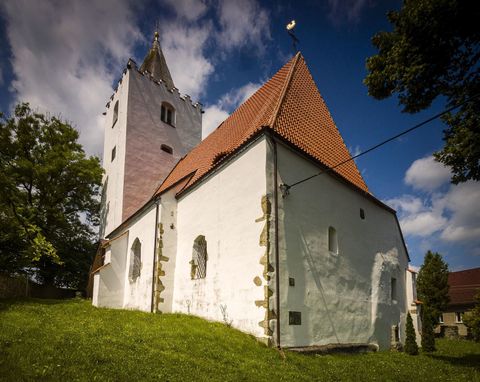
243	22
65	56
346	10
236	97
189	9
215	114
407	203
423	223
463	203
427	174
184	44
454	214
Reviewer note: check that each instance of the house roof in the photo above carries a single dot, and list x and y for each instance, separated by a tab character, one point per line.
291	106
154	63
463	286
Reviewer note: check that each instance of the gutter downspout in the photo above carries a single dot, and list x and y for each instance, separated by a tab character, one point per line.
277	256
154	263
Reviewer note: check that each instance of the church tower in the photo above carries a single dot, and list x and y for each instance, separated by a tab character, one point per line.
148	128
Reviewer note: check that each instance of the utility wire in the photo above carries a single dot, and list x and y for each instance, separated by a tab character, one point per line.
286	187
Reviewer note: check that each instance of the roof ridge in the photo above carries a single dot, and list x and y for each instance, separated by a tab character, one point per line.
273	119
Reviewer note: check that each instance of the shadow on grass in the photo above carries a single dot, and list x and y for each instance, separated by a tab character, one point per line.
469	360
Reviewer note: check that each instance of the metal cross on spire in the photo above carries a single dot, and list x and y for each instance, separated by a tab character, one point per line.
291	32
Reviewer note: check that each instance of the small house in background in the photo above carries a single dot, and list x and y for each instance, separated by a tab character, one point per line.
463	287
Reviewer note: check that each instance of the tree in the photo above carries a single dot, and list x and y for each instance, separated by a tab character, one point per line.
472	319
432	284
428	336
411	346
49	192
434	51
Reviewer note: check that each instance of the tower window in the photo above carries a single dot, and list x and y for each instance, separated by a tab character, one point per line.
332	240
167	149
114	152
115	114
362	214
167	113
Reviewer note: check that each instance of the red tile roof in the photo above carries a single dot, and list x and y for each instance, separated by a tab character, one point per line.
290	105
463	286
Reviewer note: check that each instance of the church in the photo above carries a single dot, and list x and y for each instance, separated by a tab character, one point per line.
224	228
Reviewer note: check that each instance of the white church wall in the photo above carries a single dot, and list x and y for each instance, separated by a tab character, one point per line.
111	284
138	292
114	137
167	255
413	308
343	297
224	209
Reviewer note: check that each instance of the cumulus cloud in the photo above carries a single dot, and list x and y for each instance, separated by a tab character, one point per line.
341	11
462	202
184	45
186	37
453	214
66	55
63	54
242	22
217	113
214	115
427	174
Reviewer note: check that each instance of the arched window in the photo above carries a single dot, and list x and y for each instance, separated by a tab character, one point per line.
332	240
115	114
135	261
198	263
167	113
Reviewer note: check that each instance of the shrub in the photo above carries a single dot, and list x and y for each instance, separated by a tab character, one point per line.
428	337
411	346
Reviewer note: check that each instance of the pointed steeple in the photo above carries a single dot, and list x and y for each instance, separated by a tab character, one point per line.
154	62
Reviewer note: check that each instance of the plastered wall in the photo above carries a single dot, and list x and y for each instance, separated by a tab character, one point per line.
110	282
114	136
138	293
343	297
224	208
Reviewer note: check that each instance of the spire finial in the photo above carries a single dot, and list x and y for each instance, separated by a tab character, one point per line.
156	34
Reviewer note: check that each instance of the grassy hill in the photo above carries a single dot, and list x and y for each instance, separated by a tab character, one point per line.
73	341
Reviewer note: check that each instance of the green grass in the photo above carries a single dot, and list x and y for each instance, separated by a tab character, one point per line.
72	341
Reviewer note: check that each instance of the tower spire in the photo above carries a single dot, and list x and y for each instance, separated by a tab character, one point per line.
154	62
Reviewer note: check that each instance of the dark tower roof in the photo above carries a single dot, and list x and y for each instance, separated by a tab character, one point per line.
154	62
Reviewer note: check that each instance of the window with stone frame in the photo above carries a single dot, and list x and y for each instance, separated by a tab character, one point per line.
198	264
135	261
167	113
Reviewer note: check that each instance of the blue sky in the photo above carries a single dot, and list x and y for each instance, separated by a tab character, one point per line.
66	56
